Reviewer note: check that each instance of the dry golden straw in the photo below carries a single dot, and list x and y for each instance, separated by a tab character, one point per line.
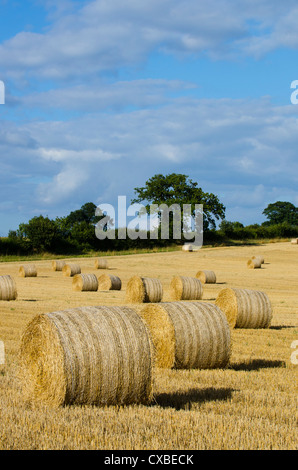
143	289
101	263
187	248
28	270
109	282
71	269
87	356
254	263
58	265
294	241
188	335
206	277
85	282
245	308
261	258
8	288
186	288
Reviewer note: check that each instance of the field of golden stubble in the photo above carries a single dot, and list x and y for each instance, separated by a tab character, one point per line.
252	404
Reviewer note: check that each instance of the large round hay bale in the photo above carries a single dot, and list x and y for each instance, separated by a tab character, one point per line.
259	257
143	289
58	265
206	277
187	248
245	308
187	335
71	269
294	241
28	270
254	263
186	288
87	356
85	282
109	282
8	288
101	263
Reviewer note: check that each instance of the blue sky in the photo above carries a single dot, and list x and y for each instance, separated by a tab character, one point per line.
101	95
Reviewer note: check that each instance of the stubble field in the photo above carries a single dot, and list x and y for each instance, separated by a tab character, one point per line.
252	404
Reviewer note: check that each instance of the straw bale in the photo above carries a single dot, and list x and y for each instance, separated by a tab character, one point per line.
71	269
245	308
254	263
101	263
143	289
58	265
206	277
259	257
294	241
187	248
87	356
28	270
186	288
188	335
109	282
85	282
8	288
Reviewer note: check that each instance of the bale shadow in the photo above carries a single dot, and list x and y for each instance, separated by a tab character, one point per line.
185	400
256	364
281	327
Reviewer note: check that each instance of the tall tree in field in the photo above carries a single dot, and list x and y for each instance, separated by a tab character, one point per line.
281	211
180	189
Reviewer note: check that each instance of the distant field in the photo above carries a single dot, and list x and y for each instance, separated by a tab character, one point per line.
250	405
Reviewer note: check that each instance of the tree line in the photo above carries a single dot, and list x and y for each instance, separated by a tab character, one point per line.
75	233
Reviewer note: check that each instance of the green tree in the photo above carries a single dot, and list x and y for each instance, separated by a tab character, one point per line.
281	211
41	232
180	189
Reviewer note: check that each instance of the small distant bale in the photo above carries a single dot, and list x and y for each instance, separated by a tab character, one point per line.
97	356
294	241
85	282
58	265
206	277
187	248
259	257
254	263
8	288
186	288
143	290
109	282
71	269
101	263
245	308
188	335
28	270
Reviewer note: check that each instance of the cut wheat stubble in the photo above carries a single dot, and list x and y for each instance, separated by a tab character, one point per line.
87	356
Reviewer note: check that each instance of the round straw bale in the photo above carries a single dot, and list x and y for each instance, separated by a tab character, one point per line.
206	277
109	282
85	282
101	263
28	270
245	308
143	289
294	241
8	288
87	356
186	288
71	269
187	248
260	258
188	335
254	263
58	265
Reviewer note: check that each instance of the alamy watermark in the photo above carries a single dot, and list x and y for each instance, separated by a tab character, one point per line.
186	221
294	95
2	92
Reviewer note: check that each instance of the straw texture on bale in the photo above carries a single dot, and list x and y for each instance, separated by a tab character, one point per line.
245	308
109	282
87	356
71	269
85	282
8	288
254	263
101	263
143	289
28	270
261	258
186	288
188	335
58	265
294	241
187	248
206	277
